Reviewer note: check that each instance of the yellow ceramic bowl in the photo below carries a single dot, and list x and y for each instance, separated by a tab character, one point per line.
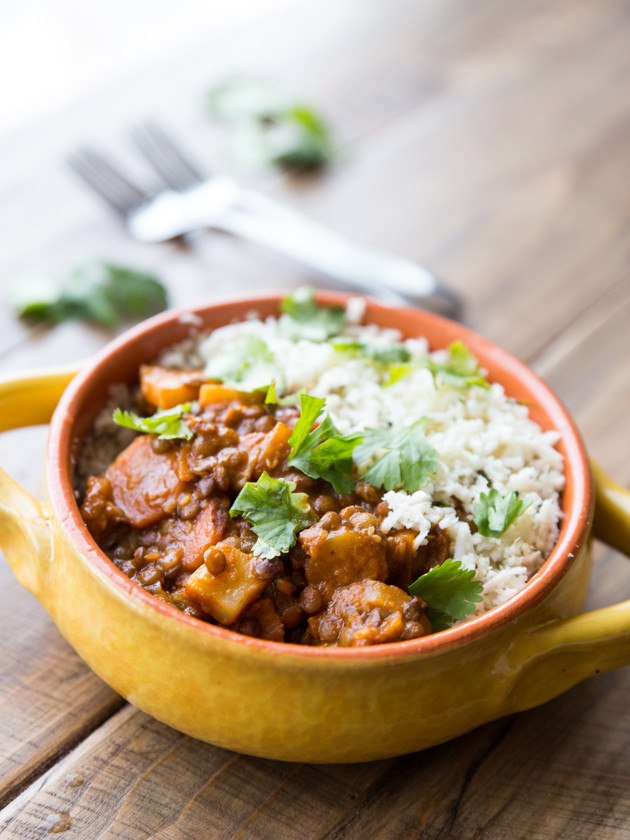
302	703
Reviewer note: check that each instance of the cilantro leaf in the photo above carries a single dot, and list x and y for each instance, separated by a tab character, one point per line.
398	372
322	452
299	139
166	424
461	370
310	409
385	354
275	512
494	513
303	317
243	98
407	460
272	127
449	591
247	365
97	292
272	398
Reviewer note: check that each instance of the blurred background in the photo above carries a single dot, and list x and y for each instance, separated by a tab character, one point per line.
54	55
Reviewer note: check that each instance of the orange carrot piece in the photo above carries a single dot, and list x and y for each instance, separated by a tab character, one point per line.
166	388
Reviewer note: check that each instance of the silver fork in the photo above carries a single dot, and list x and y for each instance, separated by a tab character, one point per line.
189	200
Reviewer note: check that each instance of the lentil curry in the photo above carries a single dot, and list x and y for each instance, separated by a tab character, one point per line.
161	512
244	510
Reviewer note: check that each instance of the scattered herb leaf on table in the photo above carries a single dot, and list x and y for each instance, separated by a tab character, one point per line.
98	292
272	127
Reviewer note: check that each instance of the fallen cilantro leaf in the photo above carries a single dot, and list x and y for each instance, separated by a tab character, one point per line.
241	98
303	317
97	292
385	354
405	458
461	370
133	293
167	424
449	591
275	512
247	365
322	452
271	127
494	513
299	139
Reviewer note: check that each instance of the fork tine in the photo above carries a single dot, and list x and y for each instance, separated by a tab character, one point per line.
168	160
107	180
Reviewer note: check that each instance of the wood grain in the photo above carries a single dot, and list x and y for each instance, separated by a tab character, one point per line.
489	140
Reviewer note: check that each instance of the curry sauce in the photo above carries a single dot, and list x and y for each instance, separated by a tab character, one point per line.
161	512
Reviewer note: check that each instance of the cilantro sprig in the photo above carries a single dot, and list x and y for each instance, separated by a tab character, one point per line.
247	365
450	592
384	354
166	424
494	513
303	317
275	512
460	370
322	452
405	458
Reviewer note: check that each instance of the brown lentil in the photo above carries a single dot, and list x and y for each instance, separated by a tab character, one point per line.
214	560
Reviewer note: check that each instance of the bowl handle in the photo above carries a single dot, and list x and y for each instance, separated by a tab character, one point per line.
554	657
25	535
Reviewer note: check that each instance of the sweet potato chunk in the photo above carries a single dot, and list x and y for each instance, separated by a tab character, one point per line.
207	530
145	485
343	549
268	451
166	388
369	613
214	393
226	595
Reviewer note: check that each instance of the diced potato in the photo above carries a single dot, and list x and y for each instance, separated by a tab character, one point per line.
145	485
225	596
166	388
340	557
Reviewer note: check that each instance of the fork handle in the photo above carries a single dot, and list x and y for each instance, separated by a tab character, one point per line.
318	248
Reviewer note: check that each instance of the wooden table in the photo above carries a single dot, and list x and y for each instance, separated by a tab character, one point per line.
489	140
